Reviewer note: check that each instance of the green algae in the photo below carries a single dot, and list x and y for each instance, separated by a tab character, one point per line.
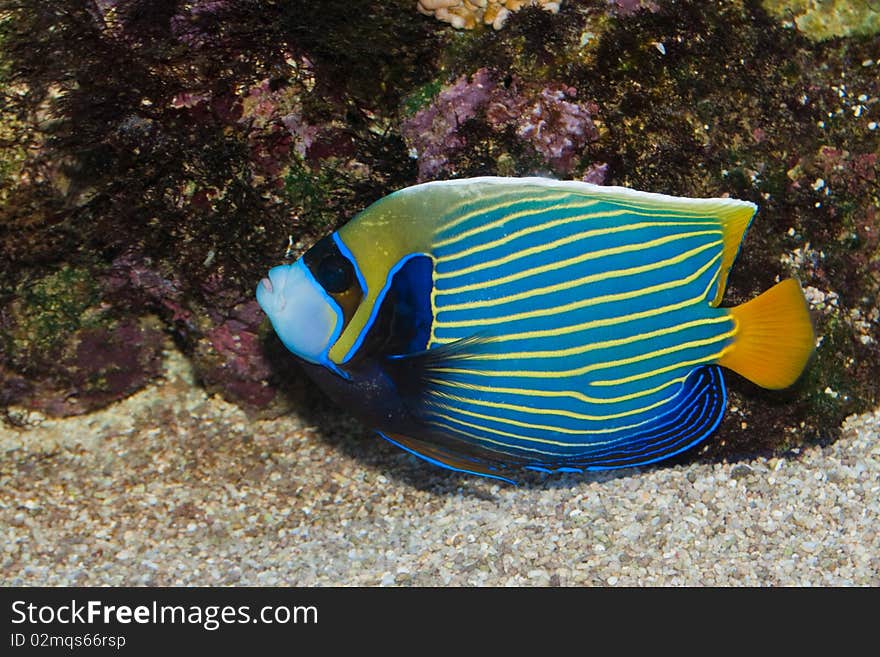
422	95
826	19
312	193
48	311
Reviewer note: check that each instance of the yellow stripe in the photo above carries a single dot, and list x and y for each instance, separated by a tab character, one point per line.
485	246
533	374
574	394
596	323
530	425
574	260
584	280
540	248
461	432
492	208
544	441
583	303
544	411
699	361
482	228
655	208
582	349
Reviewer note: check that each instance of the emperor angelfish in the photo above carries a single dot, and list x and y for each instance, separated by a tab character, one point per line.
492	324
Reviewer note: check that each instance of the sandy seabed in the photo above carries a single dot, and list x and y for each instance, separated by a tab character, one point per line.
174	487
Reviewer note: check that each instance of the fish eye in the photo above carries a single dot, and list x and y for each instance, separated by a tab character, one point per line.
335	274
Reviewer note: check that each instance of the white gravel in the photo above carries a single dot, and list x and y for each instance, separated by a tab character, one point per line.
174	487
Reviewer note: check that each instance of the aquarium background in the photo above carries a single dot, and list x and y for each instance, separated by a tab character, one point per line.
157	157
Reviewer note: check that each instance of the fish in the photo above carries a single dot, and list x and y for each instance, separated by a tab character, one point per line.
496	325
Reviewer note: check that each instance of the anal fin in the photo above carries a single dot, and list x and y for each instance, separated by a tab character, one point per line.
694	416
438	455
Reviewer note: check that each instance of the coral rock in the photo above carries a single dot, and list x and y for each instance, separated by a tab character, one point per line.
630	7
467	14
547	119
433	132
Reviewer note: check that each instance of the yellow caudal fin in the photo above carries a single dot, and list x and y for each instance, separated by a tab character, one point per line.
774	337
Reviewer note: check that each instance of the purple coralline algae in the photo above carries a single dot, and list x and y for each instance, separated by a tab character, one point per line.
596	173
231	359
554	125
547	118
630	7
66	370
227	353
276	127
433	133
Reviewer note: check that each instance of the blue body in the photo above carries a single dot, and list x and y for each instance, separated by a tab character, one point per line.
536	324
591	320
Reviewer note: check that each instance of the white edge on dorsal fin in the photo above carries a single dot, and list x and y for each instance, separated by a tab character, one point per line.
580	187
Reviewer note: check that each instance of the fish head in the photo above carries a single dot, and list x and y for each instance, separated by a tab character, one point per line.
303	314
311	301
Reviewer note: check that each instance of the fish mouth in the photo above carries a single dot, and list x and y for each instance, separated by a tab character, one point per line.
267	295
271	288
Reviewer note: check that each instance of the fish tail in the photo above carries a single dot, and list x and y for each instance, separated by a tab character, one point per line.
774	337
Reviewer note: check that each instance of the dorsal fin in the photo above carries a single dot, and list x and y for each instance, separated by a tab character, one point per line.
735	220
